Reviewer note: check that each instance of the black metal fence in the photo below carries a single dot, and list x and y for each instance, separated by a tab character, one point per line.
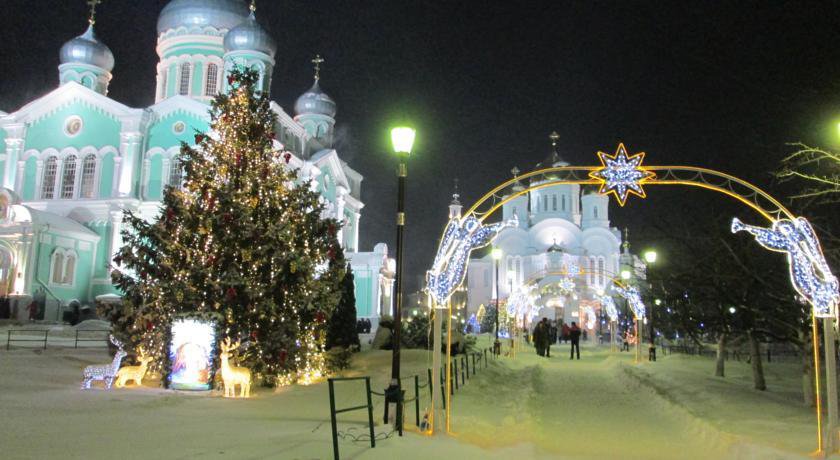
463	367
42	336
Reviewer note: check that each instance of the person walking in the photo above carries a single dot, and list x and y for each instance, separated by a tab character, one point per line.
565	333
574	336
539	337
549	330
625	346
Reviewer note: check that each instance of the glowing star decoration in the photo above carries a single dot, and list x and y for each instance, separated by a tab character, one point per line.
809	272
459	239
566	285
631	294
232	375
608	304
105	373
621	174
191	354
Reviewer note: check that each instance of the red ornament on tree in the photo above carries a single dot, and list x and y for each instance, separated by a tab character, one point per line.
287	156
253	335
231	80
282	356
230	294
199	138
331	253
320	317
169	213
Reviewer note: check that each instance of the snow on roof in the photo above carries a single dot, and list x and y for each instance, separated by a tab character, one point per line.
54	221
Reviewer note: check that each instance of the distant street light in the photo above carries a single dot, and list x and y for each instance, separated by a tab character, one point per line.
496	254
625	274
402	139
650	257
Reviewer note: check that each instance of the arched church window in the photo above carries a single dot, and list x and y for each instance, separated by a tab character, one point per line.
88	176
545	202
48	182
58	266
175	173
69	269
68	177
553	202
595	212
184	87
87	82
563	202
212	78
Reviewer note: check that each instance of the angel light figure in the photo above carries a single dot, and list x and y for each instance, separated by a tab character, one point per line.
809	272
459	239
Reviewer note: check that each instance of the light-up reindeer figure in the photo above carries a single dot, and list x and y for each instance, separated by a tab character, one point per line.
134	373
460	238
809	272
232	375
105	373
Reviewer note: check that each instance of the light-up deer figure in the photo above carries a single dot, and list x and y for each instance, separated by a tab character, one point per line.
809	272
460	238
105	373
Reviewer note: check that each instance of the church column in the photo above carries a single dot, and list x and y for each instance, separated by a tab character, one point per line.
14	148
115	218
19	179
339	211
129	147
39	178
356	217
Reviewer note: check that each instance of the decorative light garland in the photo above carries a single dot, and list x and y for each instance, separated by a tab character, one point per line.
608	304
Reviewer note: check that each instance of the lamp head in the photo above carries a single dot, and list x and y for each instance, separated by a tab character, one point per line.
650	256
625	274
402	139
496	253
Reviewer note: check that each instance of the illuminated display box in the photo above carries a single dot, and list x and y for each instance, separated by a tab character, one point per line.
191	354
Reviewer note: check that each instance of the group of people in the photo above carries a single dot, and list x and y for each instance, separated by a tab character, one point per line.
546	333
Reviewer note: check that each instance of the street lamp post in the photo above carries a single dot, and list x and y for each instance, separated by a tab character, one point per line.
403	140
650	258
496	253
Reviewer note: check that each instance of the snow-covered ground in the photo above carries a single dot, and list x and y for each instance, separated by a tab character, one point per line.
600	407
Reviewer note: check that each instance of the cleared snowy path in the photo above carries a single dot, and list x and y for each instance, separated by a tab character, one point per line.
528	408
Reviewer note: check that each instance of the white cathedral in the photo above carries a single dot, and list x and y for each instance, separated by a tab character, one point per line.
560	228
73	159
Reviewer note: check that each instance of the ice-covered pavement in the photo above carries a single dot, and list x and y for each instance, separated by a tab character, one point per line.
601	407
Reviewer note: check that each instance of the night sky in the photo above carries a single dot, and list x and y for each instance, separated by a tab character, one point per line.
723	85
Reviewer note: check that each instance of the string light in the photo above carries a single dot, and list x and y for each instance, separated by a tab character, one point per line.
608	304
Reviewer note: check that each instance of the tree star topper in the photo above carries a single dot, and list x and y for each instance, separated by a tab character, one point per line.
622	174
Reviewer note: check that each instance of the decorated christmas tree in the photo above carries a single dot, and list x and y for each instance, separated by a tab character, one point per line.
341	329
242	242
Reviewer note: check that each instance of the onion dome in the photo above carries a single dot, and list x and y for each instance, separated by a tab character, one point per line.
219	14
250	36
553	158
315	102
86	49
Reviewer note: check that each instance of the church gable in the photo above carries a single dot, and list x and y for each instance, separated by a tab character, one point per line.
177	119
77	125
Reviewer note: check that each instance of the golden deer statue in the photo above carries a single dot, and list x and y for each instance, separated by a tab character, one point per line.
134	373
232	375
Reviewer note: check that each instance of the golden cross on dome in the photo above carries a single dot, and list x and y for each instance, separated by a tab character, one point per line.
253	6
92	4
318	61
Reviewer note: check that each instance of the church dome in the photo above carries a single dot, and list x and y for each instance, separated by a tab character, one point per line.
315	102
86	49
220	14
250	36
